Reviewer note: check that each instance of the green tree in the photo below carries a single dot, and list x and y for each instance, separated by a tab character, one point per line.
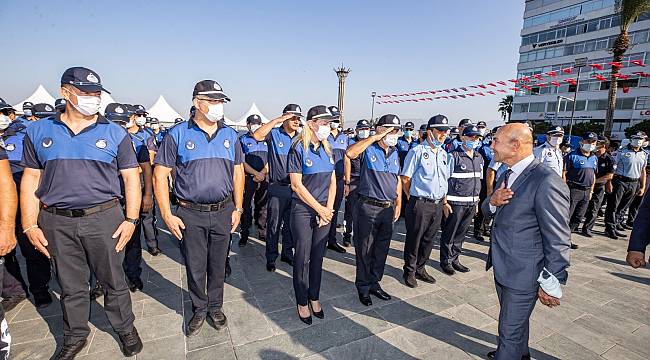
642	126
583	127
541	127
628	10
505	107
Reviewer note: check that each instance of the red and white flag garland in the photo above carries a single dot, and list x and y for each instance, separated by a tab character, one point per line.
496	88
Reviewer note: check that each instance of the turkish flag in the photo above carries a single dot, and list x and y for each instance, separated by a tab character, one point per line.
596	66
616	64
637	62
626	90
567	70
552	73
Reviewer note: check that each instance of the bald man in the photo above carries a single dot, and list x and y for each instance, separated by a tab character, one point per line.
530	240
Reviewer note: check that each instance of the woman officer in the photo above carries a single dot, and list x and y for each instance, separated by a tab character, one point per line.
311	171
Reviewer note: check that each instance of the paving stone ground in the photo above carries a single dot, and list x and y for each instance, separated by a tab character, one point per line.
605	313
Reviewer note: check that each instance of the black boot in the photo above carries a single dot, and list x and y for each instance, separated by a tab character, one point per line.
131	343
70	350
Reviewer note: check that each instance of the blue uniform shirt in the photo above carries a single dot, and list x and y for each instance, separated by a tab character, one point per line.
378	178
339	145
428	170
256	152
486	153
580	169
13	139
630	163
355	164
140	146
3	153
278	151
316	167
23	121
82	170
403	147
204	165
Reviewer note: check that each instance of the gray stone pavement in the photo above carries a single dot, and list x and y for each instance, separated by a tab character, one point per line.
605	312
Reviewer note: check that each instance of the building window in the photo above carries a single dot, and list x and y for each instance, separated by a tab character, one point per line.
556	15
520	108
642	103
536	107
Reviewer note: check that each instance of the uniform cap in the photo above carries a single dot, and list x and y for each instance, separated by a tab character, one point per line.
210	89
464	122
555	130
471	131
363	124
43	110
589	136
319	112
292	109
409	126
638	135
336	114
254	120
389	120
116	112
83	79
439	122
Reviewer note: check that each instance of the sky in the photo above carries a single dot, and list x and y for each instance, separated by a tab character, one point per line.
268	52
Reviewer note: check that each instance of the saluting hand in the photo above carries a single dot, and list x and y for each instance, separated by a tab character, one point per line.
547	299
7	241
175	225
381	132
234	221
501	196
636	259
37	238
124	233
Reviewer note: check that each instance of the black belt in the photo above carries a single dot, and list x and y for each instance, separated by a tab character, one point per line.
434	201
204	207
625	178
375	202
74	213
579	187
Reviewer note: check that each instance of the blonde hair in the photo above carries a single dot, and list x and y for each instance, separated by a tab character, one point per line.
305	137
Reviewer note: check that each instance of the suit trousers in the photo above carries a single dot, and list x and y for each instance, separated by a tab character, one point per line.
578	206
514	321
422	220
77	247
454	228
255	196
278	217
205	242
5	337
149	229
594	206
338	199
311	240
373	230
619	200
133	255
350	209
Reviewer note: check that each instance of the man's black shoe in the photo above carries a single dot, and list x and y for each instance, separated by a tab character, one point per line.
195	324
131	343
154	251
135	285
365	299
492	354
574	246
69	351
381	294
447	269
243	241
42	299
286	260
587	233
424	276
619	227
460	267
628	226
11	302
338	248
619	233
347	242
97	291
410	281
611	234
218	319
270	267
228	270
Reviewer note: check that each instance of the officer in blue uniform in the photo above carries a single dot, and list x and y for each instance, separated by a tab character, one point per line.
636	202
8	116
257	184
338	143
629	180
28	114
73	162
466	170
604	174
480	221
209	186
406	142
311	167
279	193
378	205
422	134
549	152
424	177
457	141
14	287
580	168
9	201
351	178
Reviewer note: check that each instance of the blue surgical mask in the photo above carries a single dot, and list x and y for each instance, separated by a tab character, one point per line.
408	133
436	143
472	144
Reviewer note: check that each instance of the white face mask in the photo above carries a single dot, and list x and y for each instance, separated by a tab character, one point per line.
140	120
363	134
155	126
323	132
5	121
334	125
588	147
255	127
215	112
555	140
636	142
391	139
28	113
87	105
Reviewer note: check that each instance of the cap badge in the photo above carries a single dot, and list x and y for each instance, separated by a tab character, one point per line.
10	147
628	154
444	120
582	162
92	78
101	143
119	110
395	121
308	162
463	167
217	87
425	155
48	108
47	142
280	144
373	158
226	144
189	145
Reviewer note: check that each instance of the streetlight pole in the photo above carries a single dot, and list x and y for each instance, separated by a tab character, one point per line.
579	63
372	111
559	101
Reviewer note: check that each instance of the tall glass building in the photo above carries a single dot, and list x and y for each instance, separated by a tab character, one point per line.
557	32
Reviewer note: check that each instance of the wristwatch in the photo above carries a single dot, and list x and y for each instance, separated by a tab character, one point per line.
132	221
239	210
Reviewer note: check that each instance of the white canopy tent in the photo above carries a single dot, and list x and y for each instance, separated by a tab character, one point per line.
164	112
106	99
241	122
39	96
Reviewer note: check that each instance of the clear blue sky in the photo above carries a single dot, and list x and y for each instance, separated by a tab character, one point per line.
270	52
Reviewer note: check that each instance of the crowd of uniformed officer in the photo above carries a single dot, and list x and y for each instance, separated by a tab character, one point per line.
91	185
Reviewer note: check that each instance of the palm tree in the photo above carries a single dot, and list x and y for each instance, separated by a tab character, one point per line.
628	10
505	107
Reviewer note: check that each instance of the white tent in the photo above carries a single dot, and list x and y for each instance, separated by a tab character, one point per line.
39	96
253	110
163	111
106	99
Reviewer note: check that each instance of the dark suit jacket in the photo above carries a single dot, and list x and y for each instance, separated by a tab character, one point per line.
640	237
531	231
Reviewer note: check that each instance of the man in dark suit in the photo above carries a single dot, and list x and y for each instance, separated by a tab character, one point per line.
530	240
640	238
